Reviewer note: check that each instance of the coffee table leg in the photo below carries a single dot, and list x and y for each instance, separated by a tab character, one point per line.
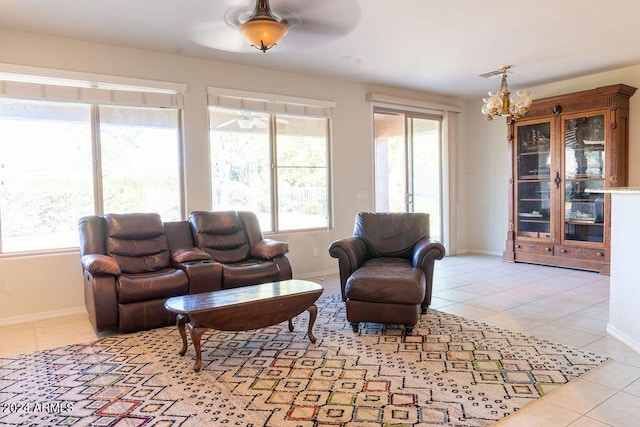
313	313
290	325
196	335
182	320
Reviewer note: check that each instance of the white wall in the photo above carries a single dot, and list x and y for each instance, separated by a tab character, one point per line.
52	284
484	171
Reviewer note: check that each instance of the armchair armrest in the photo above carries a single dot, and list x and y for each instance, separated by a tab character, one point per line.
426	251
268	249
351	254
98	264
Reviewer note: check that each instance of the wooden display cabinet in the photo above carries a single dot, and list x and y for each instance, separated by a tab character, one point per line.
564	146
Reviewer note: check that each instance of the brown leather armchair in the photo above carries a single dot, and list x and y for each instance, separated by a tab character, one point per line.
234	239
386	268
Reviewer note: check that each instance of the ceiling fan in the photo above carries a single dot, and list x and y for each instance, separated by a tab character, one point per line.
249	120
308	23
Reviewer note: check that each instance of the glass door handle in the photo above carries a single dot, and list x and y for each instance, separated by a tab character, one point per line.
557	180
408	197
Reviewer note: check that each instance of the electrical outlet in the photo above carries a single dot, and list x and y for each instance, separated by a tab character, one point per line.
314	252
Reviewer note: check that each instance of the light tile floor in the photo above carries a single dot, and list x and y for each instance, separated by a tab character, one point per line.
566	306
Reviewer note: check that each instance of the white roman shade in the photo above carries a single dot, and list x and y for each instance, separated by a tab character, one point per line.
414	105
268	103
89	89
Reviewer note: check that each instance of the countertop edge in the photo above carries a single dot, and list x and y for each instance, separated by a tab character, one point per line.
614	190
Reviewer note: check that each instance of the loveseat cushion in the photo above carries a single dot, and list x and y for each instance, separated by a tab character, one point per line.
221	234
164	283
249	272
388	281
137	241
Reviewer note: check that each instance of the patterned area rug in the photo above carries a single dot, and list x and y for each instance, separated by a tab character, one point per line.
451	371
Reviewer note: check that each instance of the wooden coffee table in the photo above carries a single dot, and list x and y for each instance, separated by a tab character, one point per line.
244	308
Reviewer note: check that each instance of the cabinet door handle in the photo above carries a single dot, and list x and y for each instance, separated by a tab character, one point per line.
557	180
547	248
599	254
563	251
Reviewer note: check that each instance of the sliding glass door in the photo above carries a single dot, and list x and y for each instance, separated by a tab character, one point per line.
408	164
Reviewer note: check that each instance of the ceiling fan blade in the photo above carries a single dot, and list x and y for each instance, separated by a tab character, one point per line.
220	36
225	123
260	124
238	15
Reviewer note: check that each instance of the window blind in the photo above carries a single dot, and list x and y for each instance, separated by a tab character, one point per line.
411	104
268	103
89	91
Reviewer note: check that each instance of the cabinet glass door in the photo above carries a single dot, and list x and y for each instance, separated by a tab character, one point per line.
533	151
584	168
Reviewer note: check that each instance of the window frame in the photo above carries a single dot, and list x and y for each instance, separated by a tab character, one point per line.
275	198
94	91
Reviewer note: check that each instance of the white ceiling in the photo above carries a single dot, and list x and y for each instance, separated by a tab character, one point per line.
439	46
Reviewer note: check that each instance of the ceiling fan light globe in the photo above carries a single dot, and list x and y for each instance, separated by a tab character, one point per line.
263	33
245	123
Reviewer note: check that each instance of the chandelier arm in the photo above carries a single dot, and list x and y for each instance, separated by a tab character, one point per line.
501	104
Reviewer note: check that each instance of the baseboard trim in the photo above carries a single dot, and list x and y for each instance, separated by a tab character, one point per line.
623	338
316	274
6	321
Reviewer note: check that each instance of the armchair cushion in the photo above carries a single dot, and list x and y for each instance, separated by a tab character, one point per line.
98	264
268	249
391	234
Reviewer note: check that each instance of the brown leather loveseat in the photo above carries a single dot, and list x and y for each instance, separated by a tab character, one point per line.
133	262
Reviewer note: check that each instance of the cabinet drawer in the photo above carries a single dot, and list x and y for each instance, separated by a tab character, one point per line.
584	253
534	248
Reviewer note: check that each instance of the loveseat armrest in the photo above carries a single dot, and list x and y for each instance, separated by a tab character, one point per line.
351	253
183	255
268	249
101	300
100	265
204	275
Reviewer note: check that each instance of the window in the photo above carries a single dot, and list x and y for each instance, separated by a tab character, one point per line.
46	181
140	160
274	164
61	160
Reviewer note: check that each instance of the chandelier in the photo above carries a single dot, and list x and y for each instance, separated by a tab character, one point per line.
500	104
263	30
